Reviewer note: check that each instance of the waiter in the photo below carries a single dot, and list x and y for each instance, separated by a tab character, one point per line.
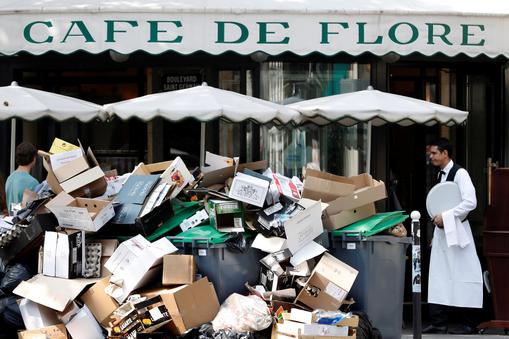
455	277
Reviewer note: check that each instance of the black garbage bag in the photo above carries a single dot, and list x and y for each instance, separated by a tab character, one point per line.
365	330
14	274
236	243
10	315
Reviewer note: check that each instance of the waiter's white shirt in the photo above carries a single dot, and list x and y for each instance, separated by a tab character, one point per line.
455	276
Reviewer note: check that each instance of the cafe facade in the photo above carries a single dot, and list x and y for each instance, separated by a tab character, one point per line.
453	53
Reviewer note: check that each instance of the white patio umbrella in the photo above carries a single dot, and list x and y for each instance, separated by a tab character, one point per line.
203	103
32	104
376	108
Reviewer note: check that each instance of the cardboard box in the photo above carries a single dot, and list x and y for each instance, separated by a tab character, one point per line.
219	176
84	325
328	284
347	209
50	254
189	305
108	248
147	316
70	255
272	275
81	213
66	165
99	303
226	215
178	269
90	183
177	175
148	169
325	186
49	332
136	261
36	316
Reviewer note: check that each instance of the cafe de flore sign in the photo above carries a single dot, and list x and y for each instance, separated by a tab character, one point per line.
245	32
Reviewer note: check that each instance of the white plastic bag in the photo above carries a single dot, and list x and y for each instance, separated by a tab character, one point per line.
242	314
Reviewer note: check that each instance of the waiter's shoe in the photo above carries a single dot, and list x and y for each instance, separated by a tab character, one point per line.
434	329
464	329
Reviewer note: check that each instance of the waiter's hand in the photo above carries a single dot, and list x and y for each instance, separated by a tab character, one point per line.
437	220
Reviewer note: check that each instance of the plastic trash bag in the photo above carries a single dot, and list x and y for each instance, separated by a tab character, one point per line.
330	317
242	314
14	275
10	314
236	243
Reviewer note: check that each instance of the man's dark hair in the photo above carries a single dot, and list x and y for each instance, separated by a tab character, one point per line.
25	153
443	144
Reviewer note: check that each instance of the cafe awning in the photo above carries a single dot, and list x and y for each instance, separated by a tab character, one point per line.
452	27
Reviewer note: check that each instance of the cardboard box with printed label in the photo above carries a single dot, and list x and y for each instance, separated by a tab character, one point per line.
328	285
99	303
349	208
89	182
49	332
226	215
178	269
189	305
81	213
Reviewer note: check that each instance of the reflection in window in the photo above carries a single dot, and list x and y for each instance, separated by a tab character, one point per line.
333	148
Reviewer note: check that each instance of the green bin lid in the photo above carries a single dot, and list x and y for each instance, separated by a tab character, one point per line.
372	225
181	211
201	234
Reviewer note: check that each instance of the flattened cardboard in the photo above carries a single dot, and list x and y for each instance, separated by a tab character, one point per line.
50	332
249	189
177	175
328	285
178	269
52	292
301	229
76	212
136	261
189	305
99	303
59	146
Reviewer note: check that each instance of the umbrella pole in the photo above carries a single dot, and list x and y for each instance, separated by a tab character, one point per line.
202	145
368	148
13	144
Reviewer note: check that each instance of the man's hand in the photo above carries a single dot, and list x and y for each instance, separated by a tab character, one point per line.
437	220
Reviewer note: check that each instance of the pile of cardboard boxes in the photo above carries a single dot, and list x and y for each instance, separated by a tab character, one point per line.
91	286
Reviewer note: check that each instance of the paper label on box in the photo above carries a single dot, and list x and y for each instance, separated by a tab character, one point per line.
351	246
60	159
60	146
202	252
335	291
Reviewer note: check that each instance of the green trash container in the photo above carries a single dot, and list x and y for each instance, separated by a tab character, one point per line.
227	270
380	259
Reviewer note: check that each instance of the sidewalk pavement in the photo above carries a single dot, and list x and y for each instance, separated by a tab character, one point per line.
471	336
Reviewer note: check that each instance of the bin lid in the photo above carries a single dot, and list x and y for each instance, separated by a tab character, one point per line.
372	225
201	234
181	211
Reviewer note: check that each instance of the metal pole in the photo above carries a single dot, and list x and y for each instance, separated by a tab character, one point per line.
368	148
13	145
416	274
202	145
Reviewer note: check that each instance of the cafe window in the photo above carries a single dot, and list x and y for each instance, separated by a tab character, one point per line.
333	148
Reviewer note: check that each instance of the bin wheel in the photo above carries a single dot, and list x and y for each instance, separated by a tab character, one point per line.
506	331
482	330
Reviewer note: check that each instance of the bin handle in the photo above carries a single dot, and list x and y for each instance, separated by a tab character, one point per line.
194	242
